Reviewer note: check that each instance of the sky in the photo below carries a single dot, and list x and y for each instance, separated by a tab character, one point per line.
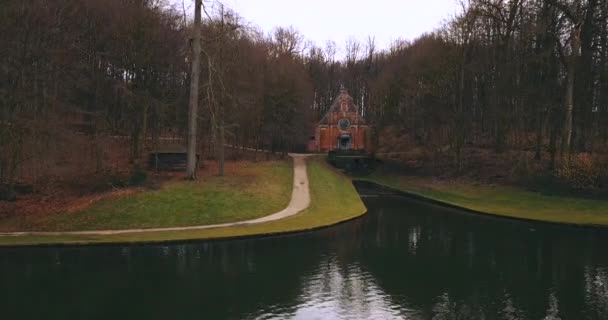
339	20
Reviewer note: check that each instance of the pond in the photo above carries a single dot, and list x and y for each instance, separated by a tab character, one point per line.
403	260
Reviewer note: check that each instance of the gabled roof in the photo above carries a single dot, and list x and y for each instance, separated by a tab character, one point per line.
342	98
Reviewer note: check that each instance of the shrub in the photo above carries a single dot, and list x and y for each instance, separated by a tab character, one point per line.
7	193
581	173
118	180
521	169
138	177
603	179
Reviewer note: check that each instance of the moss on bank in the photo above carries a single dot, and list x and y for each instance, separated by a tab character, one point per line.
502	200
326	185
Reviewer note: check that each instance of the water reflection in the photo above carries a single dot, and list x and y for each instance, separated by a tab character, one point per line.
335	293
596	290
405	260
553	308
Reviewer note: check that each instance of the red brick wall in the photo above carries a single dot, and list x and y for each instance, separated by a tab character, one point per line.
327	135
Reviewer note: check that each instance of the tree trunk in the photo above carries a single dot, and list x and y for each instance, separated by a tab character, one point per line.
553	145
220	149
193	104
460	112
539	135
569	102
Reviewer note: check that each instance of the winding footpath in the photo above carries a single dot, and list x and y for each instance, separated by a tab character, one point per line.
300	200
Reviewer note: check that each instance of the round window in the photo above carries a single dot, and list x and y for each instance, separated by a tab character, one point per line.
344	123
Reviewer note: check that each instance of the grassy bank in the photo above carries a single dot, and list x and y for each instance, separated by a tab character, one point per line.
248	191
326	186
502	200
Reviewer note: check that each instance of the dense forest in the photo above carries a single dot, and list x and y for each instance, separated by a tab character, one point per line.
87	87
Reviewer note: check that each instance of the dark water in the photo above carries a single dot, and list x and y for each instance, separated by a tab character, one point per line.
404	260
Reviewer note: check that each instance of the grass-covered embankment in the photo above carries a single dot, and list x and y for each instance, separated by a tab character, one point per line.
248	191
501	200
333	199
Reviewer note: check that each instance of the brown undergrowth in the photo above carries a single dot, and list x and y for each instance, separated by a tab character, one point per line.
407	154
58	196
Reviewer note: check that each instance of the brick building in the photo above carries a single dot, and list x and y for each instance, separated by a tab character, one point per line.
342	127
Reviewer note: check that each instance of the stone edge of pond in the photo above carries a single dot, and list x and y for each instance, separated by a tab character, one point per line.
102	243
402	193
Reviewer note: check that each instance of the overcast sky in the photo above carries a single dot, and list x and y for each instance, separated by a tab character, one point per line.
337	20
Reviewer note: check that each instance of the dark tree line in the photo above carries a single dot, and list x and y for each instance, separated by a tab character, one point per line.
503	75
77	73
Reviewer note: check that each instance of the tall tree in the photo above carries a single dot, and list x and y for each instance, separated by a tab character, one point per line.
191	165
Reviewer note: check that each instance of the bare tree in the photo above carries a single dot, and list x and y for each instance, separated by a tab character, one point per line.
573	13
353	49
193	103
288	41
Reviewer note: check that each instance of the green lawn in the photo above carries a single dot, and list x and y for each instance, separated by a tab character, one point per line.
251	191
333	199
502	200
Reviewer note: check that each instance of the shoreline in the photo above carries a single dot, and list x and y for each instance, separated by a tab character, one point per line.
184	241
241	230
304	218
300	200
398	192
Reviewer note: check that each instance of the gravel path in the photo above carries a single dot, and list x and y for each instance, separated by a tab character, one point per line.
300	199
